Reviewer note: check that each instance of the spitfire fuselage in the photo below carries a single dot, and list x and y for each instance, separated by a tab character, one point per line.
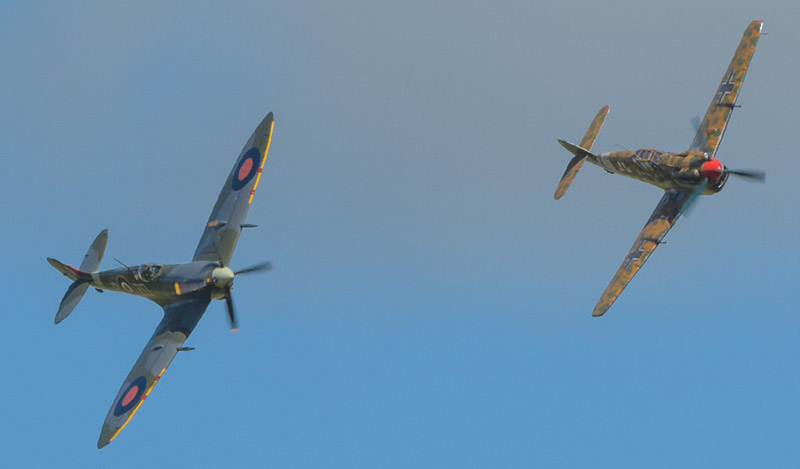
665	170
162	284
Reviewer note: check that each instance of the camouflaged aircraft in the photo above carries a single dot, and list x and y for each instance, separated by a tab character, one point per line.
683	176
182	290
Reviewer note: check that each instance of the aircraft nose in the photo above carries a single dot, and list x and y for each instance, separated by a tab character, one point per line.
712	169
222	276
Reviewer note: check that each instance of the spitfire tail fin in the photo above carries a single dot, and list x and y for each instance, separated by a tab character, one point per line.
580	151
80	277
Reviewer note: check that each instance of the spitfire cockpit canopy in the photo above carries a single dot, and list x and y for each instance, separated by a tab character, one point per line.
147	272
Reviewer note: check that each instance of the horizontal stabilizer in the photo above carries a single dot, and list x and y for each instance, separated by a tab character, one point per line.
572	168
587	141
71	299
81	277
91	261
580	152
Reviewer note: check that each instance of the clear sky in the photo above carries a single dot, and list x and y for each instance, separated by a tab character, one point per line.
430	303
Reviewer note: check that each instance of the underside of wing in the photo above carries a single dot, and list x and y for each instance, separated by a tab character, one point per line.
178	322
225	223
711	130
663	218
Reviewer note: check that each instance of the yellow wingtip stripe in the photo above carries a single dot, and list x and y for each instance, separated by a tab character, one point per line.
263	160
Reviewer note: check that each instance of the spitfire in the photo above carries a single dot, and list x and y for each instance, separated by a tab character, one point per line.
182	290
683	176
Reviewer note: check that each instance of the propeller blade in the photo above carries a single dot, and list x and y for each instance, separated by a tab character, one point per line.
231	313
695	122
255	268
756	176
693	196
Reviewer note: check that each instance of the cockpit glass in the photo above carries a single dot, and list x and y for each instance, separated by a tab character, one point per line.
148	272
647	156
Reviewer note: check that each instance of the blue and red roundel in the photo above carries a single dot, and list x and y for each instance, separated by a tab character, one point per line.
247	168
131	396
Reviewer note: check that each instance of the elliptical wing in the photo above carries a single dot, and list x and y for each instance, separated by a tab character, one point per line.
173	330
225	223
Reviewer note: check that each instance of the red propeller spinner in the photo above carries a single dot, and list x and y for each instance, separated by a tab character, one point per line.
712	169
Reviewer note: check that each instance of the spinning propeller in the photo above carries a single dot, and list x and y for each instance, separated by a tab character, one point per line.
715	166
222	277
712	170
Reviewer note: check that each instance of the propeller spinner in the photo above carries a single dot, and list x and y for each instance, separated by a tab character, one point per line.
222	277
713	169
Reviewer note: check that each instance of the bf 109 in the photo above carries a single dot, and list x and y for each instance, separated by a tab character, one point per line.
683	176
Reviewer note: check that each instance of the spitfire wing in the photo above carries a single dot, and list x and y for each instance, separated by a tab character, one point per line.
226	220
178	322
711	130
663	218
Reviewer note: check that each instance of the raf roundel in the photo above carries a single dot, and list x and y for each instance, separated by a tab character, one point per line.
247	168
131	396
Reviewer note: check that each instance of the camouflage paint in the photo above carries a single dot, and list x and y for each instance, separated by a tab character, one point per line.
681	175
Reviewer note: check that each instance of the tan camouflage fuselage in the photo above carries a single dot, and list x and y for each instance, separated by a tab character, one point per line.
682	176
667	171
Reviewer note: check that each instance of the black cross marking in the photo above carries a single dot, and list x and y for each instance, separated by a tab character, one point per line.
634	255
725	88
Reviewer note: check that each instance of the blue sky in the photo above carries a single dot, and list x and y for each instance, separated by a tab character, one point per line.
430	305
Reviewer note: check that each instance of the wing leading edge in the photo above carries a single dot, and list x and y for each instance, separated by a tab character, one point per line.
226	219
173	330
667	211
